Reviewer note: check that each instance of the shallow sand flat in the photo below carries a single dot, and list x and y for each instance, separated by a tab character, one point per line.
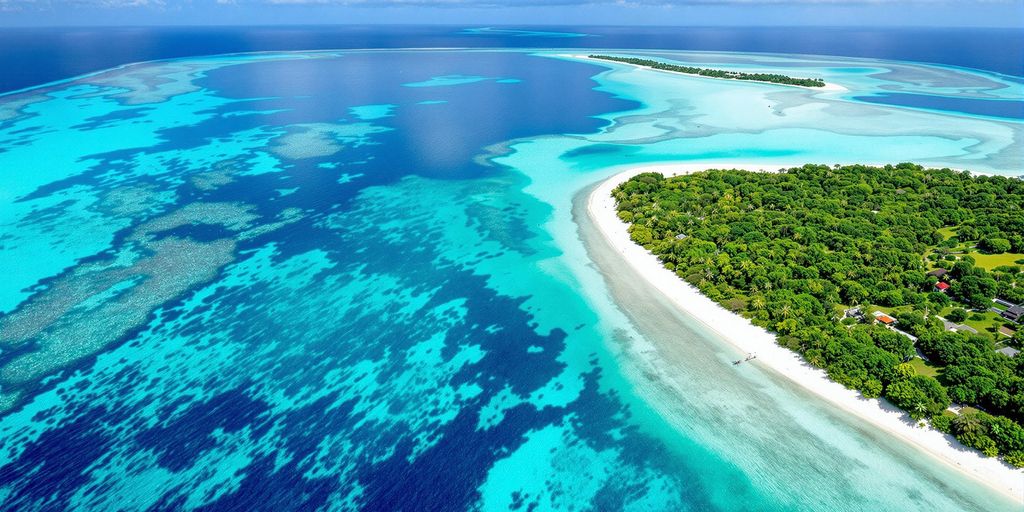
746	338
683	117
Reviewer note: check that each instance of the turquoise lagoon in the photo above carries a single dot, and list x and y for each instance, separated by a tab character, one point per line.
338	280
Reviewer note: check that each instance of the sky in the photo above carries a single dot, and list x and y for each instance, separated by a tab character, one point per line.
945	13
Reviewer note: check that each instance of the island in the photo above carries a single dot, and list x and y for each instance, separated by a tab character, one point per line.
774	78
898	281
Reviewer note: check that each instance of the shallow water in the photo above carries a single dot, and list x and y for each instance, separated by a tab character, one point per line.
340	279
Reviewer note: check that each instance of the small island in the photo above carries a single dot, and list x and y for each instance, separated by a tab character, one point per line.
773	78
898	281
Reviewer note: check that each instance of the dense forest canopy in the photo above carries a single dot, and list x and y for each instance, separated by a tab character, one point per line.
774	78
813	253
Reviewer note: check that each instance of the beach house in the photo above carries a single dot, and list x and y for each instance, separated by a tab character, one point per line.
885	319
1014	313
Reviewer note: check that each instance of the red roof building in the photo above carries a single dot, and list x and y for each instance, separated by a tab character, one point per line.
942	287
886	319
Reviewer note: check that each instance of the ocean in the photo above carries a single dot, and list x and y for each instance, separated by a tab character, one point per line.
352	279
35	56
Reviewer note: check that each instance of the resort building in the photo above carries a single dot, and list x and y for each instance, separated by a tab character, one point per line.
942	287
939	273
855	313
1009	351
1014	313
885	319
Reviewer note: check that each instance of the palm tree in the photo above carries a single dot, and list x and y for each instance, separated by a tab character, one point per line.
968	423
816	360
785	311
921	409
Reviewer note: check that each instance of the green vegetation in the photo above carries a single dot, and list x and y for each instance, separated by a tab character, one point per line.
922	367
984	322
957	315
991	261
716	73
785	249
985	250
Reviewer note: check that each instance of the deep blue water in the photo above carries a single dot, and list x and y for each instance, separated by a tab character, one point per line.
1010	109
474	117
31	56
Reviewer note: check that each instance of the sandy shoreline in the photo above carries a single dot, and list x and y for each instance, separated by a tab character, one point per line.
829	86
748	338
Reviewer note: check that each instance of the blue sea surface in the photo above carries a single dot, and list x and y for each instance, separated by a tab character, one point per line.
1010	109
33	56
350	280
280	310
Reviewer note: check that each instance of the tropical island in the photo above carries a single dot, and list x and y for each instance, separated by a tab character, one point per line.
774	78
900	282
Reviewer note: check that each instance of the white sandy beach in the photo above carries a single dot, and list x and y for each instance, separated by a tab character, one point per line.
829	86
748	338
